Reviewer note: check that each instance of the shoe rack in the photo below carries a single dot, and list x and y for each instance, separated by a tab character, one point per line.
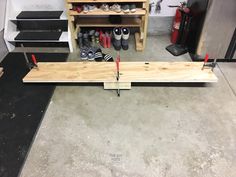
138	19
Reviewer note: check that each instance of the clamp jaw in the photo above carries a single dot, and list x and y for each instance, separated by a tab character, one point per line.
211	65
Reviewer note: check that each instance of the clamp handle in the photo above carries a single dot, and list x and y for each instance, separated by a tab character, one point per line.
34	60
206	58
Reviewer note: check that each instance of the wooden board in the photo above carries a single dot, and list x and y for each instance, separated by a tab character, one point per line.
138	43
101	72
101	12
117	85
102	1
1	72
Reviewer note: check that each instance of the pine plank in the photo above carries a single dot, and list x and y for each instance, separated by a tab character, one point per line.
101	72
102	1
117	85
1	72
101	12
138	42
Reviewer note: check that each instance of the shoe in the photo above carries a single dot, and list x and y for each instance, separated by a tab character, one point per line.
80	40
85	9
98	55
117	33
91	36
104	7
115	8
92	7
125	8
103	41
125	38
91	55
79	9
108	58
96	35
108	40
100	35
86	40
83	54
132	8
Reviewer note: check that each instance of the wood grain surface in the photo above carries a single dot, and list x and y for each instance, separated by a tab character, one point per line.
101	12
101	72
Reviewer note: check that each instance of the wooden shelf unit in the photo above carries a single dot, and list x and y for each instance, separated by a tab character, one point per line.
138	19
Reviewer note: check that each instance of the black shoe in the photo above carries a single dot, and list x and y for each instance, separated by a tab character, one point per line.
108	58
98	55
117	33
80	40
125	38
86	41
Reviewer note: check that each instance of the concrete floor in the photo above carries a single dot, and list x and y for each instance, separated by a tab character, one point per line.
147	132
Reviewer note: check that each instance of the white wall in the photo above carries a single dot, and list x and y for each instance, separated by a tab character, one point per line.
165	10
2	13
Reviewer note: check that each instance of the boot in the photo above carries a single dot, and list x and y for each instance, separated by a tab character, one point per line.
86	40
80	40
117	33
125	38
108	40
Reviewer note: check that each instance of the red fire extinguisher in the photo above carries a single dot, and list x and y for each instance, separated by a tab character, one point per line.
176	23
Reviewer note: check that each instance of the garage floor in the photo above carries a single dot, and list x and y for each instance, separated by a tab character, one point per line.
148	132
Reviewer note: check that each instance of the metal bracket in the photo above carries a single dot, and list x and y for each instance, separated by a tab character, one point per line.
211	65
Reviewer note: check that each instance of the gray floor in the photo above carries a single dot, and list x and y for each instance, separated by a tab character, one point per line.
147	132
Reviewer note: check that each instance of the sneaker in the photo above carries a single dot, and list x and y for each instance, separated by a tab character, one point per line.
117	33
80	40
92	7
85	9
132	8
125	8
83	54
115	8
104	7
108	58
79	9
125	38
91	55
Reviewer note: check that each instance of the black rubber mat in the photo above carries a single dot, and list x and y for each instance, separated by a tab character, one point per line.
38	36
39	15
22	107
49	25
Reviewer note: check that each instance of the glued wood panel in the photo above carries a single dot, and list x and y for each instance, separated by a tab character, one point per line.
100	72
100	1
101	12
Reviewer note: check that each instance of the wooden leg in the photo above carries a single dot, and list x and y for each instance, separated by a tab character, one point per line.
117	85
138	42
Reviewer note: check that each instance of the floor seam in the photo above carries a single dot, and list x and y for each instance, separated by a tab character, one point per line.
230	86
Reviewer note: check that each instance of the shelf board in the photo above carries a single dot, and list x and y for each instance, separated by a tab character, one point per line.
102	1
101	12
104	22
